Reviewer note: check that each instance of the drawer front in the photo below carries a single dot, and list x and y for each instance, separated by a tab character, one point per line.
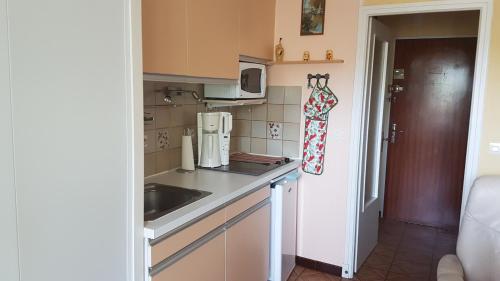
247	202
206	263
183	238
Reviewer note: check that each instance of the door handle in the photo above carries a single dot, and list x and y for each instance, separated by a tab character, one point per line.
394	133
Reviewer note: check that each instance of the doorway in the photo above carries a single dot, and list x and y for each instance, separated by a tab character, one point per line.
430	112
361	162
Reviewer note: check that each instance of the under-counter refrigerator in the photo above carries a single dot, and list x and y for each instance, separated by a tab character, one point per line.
284	194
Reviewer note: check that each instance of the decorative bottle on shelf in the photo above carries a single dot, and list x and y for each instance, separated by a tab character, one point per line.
279	51
306	56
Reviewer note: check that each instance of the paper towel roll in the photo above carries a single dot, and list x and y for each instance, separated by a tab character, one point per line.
187	153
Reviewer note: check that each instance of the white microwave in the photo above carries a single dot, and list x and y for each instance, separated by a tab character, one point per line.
251	84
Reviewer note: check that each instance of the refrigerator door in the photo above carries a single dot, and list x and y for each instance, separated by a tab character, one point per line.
289	227
284	226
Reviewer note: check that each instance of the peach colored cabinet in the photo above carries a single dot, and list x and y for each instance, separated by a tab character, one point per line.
191	37
205	263
256	35
231	244
164	36
247	247
213	38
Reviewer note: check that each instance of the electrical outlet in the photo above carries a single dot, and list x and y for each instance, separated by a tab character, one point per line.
495	148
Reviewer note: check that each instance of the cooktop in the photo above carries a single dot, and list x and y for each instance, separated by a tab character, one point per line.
246	168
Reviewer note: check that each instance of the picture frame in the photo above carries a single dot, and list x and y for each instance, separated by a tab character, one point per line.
313	17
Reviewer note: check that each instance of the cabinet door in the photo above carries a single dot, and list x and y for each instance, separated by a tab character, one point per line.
213	38
206	263
247	247
257	28
164	36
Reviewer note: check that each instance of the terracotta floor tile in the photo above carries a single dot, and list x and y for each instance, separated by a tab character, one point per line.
371	274
293	276
393	276
405	252
298	270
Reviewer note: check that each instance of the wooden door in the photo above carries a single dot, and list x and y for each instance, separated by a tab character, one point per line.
164	36
206	263
257	28
426	163
213	38
247	247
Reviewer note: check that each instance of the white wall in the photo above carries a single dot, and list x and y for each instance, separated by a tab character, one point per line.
71	116
322	199
8	235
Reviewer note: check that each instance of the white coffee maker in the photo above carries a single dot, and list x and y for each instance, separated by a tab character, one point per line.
214	129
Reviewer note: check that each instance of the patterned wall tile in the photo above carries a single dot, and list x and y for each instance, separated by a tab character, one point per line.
274	130
162	139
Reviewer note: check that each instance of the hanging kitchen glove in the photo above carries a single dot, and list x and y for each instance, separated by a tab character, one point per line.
316	110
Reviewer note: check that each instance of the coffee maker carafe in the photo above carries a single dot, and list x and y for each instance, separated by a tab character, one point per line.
214	130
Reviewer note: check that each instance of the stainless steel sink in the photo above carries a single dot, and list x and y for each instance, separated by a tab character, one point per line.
162	199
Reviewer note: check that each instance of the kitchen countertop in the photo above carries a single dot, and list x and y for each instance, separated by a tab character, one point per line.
224	187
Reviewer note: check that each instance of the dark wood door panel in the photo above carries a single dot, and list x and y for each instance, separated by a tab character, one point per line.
426	165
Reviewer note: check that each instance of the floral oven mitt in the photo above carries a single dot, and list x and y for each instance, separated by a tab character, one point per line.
316	111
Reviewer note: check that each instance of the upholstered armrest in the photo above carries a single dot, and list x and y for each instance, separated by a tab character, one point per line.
450	269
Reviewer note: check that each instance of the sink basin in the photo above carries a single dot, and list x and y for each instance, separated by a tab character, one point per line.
160	199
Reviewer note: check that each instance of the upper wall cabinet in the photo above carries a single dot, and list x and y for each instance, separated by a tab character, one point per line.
213	38
191	37
257	28
164	36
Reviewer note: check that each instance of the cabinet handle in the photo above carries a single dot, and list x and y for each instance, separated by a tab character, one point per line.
204	239
247	213
186	251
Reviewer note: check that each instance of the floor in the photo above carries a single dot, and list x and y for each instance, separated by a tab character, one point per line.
405	252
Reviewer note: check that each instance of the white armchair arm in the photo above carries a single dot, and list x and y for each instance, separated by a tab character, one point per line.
450	269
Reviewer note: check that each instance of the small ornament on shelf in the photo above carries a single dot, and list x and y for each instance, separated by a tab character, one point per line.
279	51
306	56
329	55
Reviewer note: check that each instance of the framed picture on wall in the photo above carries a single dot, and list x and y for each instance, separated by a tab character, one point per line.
313	17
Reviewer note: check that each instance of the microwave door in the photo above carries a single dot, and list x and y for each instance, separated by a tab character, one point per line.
250	82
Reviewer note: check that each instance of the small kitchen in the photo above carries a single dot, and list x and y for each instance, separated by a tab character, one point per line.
221	148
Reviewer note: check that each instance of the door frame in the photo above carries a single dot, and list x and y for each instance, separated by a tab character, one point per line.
359	113
134	179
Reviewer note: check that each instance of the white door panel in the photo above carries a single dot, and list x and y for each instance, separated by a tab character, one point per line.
8	235
380	43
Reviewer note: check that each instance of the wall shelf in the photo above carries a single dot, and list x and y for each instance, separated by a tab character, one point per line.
306	62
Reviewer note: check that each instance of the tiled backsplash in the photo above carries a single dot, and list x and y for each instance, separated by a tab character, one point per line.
163	134
272	128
